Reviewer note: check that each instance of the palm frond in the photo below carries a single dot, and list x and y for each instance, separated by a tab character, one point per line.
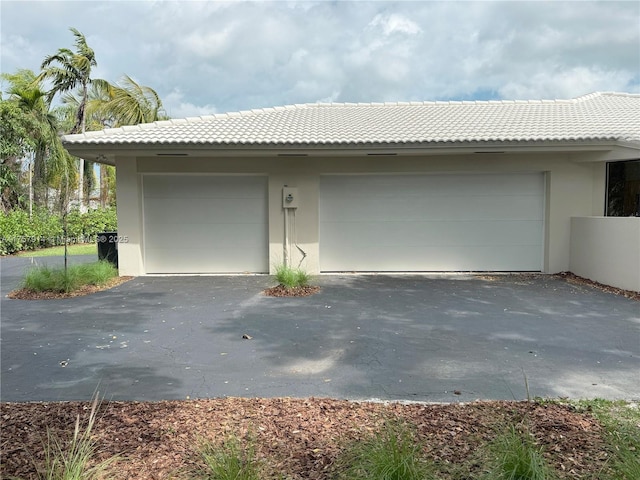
131	103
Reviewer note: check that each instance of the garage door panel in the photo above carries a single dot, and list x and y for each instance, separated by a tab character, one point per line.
195	235
431	222
202	186
219	210
205	224
435	259
437	233
432	185
191	260
444	208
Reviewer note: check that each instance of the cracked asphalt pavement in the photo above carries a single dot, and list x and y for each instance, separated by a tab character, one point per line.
433	338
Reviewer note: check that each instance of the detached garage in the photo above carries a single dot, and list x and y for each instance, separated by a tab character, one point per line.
470	222
380	187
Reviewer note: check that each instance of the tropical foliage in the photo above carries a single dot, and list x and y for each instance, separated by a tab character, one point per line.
19	231
34	133
35	169
15	143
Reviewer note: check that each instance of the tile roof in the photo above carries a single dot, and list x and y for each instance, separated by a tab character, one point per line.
593	117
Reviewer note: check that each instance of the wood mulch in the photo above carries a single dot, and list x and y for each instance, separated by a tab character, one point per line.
282	291
566	276
27	294
576	280
294	438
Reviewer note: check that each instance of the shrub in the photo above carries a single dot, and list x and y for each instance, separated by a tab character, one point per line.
515	456
292	277
18	232
46	279
230	461
84	226
391	454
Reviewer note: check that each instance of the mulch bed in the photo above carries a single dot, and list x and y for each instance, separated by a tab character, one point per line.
297	438
282	291
26	294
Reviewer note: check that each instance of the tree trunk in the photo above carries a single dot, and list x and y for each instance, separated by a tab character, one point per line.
39	177
81	185
104	187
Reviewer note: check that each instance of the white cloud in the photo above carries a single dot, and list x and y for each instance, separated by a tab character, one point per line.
395	23
203	57
17	47
177	107
566	83
209	44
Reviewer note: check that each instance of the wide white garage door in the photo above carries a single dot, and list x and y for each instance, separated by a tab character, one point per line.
205	224
431	222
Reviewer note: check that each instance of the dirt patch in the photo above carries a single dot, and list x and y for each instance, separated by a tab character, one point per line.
297	438
282	291
26	294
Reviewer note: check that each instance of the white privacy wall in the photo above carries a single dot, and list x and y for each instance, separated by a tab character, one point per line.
607	250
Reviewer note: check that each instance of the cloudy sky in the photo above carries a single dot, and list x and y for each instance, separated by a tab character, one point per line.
204	57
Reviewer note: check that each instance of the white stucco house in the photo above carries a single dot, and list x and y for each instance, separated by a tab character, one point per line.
542	186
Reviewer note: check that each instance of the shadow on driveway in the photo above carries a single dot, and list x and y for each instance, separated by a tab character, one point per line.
404	337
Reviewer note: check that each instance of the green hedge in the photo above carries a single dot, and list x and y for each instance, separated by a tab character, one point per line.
18	232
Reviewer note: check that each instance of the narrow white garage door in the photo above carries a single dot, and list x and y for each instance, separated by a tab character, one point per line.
205	224
431	222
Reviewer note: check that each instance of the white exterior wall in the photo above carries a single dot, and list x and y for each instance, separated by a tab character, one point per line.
607	250
303	222
573	188
129	210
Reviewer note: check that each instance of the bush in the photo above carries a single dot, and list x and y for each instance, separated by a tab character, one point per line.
292	277
230	461
391	454
515	456
18	232
84	226
46	279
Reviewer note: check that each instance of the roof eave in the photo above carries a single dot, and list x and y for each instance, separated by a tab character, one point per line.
106	152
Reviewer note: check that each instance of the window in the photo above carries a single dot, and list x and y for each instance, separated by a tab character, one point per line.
623	189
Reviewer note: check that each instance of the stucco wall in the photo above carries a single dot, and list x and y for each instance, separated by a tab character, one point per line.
573	188
607	250
129	210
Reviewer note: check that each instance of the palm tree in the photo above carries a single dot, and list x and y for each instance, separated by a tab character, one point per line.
110	106
69	71
15	144
50	159
130	103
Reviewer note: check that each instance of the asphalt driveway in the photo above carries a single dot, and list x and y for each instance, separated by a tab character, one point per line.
404	337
